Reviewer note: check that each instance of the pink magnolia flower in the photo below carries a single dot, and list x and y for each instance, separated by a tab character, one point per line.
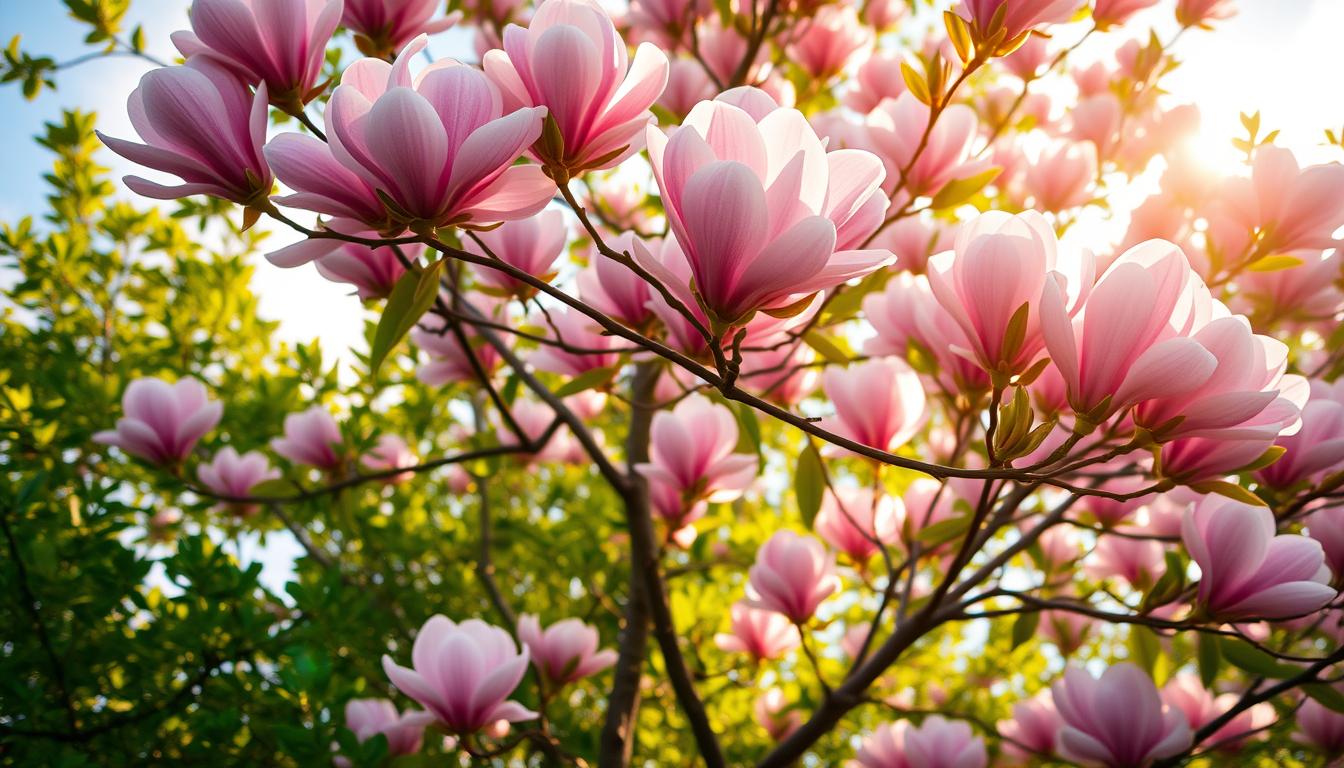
372	271
940	743
906	311
1068	630
1117	721
1320	728
448	361
571	60
163	421
199	124
878	402
772	713
404	730
1304	293
1026	62
1110	13
925	505
462	674
438	146
1097	119
792	575
760	633
1033	730
324	184
1190	460
877	78
1059	546
1199	13
279	44
688	84
389	453
534	418
883	14
1137	561
750	246
1020	16
1246	570
311	437
832	39
565	651
692	451
1318	446
231	474
1187	694
895	128
664	22
1000	264
387	25
1293	207
784	375
1327	527
1062	176
884	747
532	245
854	522
576	330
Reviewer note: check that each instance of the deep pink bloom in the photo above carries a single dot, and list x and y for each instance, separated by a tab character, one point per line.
438	145
1193	459
1021	15
879	402
577	330
532	245
1033	728
1327	527
389	453
831	39
162	421
463	674
760	208
1109	13
772	713
372	271
323	184
854	522
404	730
895	128
1117	721
1320	728
280	43
878	78
761	634
565	651
1186	693
1001	263
1062	176
231	474
692	451
792	575
884	747
1191	13
199	124
1246	571
571	60
1318	446
311	437
940	743
387	25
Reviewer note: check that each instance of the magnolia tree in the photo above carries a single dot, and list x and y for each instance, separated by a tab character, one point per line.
729	397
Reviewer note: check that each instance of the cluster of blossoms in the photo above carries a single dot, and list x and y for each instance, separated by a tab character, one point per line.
1126	409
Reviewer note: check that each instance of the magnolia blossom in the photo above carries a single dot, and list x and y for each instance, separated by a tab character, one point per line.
1137	561
831	40
278	44
1097	119
895	130
372	271
877	78
1191	13
614	289
772	713
311	437
1320	727
792	575
759	633
389	453
1301	294
531	245
1020	16
1062	176
163	421
591	348
1293	207
1318	447
760	208
1033	729
462	674
1327	527
1117	721
1109	13
857	523
884	747
878	403
199	123
565	651
231	474
1186	693
387	25
1068	630
784	375
449	361
940	743
691	450
571	60
907	311
1246	571
404	730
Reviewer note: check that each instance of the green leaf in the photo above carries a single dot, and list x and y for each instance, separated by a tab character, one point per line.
587	380
1144	648
958	191
1024	626
748	428
944	530
1245	656
809	482
826	347
1210	657
411	297
1274	263
1230	490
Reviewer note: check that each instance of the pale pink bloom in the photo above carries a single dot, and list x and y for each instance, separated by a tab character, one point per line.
532	245
761	634
1304	293
692	450
162	421
664	21
463	674
571	60
1137	561
1187	694
1112	512
448	361
1059	545
940	743
895	128
1021	15
879	402
829	41
389	453
681	334
404	730
854	522
1158	217
1062	176
1032	730
280	43
883	14
588	404
438	145
1317	448
792	575
999	264
1191	13
913	240
852	641
231	474
878	77
1117	721
784	375
906	311
1246	571
1108	350
1320	728
312	438
760	208
1293	207
924	505
722	48
614	289
565	651
372	271
201	124
1327	527
577	330
772	713
884	747
1109	13
1091	80
687	85
1068	630
534	418
388	25
1097	119
1026	62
